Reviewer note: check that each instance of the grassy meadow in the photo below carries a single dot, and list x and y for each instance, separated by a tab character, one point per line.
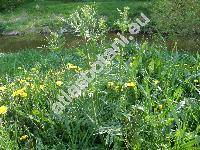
147	98
34	16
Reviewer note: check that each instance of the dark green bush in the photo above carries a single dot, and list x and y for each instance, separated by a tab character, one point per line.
11	4
177	16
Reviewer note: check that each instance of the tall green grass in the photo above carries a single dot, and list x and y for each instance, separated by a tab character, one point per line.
159	109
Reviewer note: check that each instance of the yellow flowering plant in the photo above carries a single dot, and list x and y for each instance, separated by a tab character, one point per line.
130	84
3	110
23	137
20	93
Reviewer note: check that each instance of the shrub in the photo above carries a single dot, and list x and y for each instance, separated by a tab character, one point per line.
123	22
177	16
56	42
87	23
11	4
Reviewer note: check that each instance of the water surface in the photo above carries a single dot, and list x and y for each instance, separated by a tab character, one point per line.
17	43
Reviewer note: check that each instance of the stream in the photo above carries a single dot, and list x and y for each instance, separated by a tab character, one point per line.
35	41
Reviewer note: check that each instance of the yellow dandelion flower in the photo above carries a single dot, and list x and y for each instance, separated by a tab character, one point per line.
15	94
23	94
130	84
20	93
2	88
3	109
24	137
59	83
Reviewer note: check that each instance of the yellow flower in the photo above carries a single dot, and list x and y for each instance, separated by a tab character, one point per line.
156	82
16	93
196	81
20	93
24	137
130	84
3	109
59	83
2	88
23	94
71	66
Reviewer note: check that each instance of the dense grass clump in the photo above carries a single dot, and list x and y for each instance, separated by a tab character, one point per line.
153	102
177	16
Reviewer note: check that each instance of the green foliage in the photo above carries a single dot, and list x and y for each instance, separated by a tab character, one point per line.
10	4
159	109
5	142
86	22
124	21
153	104
56	42
2	28
177	16
49	13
